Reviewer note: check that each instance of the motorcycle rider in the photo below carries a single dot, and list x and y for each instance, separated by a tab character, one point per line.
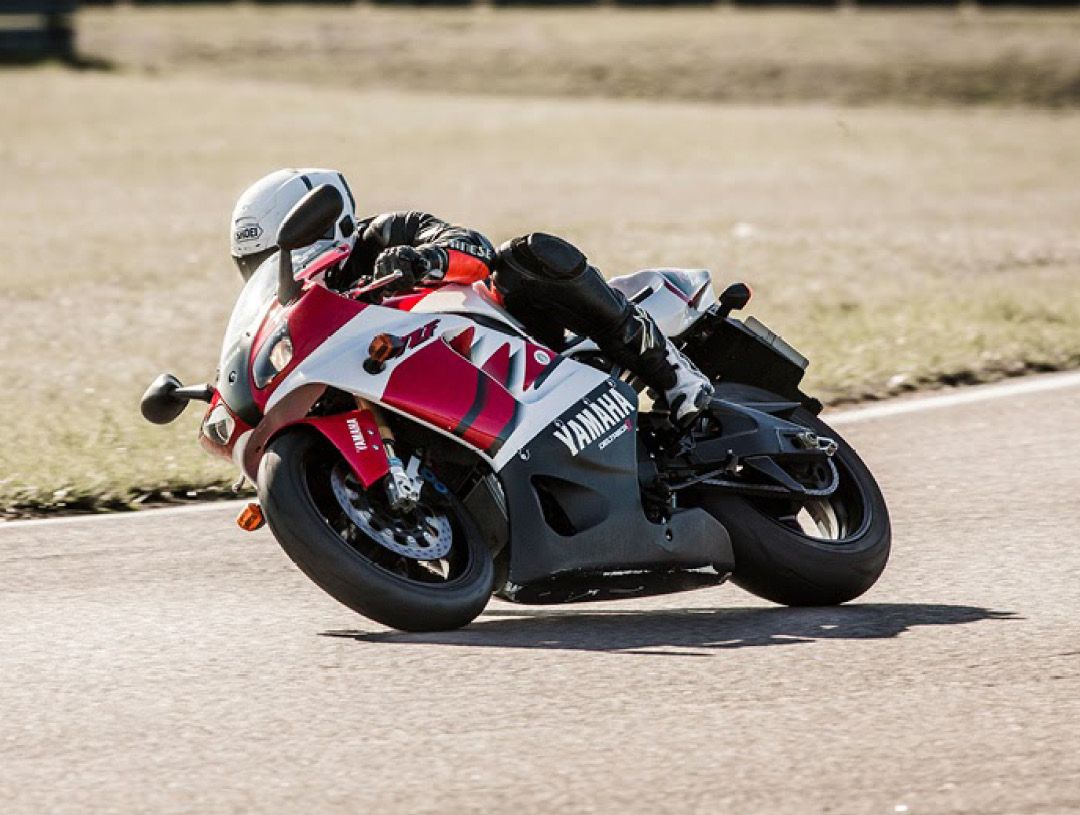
545	282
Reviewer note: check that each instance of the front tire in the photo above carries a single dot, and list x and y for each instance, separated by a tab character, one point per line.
297	495
841	555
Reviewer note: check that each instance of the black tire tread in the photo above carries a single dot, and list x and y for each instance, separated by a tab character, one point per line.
342	573
784	567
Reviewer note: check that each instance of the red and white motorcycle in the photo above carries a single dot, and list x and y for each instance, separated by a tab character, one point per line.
416	454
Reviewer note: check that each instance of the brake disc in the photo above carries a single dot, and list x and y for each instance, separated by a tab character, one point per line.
420	534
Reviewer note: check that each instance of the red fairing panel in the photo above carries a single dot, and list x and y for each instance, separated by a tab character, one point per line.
438	386
463	342
498	365
318	314
407	302
356	436
325	261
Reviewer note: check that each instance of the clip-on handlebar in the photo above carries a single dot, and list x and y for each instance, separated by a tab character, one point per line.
375	285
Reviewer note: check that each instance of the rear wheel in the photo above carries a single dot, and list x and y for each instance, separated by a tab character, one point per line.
814	552
424	570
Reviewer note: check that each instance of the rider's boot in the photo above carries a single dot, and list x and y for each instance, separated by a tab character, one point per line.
546	282
639	345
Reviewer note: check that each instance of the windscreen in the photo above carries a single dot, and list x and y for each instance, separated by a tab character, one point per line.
250	306
260	288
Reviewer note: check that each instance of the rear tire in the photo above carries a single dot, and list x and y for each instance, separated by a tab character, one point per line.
775	561
298	502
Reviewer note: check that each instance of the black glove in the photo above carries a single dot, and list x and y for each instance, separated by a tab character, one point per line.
411	264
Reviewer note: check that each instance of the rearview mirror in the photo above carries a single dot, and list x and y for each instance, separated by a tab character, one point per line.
734	297
313	216
166	398
160	404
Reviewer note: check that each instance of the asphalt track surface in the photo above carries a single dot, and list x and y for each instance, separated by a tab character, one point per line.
171	663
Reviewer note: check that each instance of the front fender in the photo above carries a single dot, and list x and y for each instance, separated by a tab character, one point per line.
354	434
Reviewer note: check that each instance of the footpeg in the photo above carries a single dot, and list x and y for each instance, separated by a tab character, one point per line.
809	440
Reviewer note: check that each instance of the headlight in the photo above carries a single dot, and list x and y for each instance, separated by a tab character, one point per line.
274	357
281	353
219	425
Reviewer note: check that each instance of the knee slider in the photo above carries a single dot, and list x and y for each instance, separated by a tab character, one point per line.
543	256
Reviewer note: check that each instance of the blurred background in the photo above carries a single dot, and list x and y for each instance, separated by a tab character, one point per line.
899	184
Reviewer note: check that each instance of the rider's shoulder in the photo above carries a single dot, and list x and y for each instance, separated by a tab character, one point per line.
399	222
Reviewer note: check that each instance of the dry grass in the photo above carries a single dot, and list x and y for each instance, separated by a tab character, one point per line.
884	243
922	57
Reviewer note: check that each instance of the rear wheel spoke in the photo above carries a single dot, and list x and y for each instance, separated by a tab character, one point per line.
830	519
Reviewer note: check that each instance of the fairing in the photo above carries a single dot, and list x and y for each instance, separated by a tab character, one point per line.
258	292
574	500
485	385
257	314
469	371
675	298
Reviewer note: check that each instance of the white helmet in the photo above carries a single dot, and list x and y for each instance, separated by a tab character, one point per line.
263	206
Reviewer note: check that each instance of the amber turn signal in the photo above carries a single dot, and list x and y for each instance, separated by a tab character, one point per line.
251	518
383	347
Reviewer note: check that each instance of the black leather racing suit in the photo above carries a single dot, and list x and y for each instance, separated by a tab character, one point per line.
455	254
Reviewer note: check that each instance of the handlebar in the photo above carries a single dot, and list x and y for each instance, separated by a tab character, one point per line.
374	285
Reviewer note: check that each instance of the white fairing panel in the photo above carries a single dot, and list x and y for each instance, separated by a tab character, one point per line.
543	384
675	298
475	299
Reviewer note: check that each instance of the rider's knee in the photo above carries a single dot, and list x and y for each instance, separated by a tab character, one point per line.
539	256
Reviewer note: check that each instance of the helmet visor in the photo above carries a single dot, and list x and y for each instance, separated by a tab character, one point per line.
247	264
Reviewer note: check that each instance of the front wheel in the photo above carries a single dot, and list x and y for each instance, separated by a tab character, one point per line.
427	570
817	552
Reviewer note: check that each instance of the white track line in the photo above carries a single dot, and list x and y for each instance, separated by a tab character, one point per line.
962	396
965	396
162	512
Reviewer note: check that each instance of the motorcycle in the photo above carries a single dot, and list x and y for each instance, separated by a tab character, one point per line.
416	454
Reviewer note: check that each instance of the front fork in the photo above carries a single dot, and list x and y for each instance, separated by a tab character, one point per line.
403	483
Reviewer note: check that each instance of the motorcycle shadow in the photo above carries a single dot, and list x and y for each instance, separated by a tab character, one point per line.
684	631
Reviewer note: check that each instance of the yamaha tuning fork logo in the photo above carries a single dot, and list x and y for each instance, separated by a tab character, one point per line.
605	419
